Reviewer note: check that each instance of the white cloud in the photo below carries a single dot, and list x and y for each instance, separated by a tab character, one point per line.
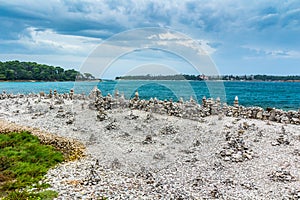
49	41
272	53
168	38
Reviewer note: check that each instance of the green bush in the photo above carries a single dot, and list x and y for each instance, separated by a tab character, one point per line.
44	195
24	162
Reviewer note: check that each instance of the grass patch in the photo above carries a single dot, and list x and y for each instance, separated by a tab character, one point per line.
24	162
44	195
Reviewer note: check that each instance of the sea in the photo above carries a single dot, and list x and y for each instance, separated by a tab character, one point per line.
281	95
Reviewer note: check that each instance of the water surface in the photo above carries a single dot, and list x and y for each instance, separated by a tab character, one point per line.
283	95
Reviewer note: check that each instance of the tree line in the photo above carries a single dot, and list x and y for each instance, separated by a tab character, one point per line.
219	77
160	77
16	70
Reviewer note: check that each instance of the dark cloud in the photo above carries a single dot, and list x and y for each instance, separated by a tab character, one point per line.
227	25
86	18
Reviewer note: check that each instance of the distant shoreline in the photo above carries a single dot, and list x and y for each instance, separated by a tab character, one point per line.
252	81
203	77
283	81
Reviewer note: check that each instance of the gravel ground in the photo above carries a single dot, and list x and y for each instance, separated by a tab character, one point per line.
142	155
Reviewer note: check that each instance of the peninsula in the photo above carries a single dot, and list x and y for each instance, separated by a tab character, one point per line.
32	71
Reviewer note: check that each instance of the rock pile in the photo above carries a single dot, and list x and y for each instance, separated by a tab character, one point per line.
93	177
112	126
188	110
131	116
281	176
271	114
192	110
146	175
102	115
169	130
282	139
236	149
296	152
42	95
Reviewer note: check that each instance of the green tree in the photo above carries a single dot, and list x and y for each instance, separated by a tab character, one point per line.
2	77
88	76
10	74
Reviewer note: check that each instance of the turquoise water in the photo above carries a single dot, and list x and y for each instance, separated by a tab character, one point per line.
282	95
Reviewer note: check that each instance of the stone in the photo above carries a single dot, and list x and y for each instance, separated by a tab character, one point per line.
259	115
181	100
116	95
70	120
247	156
102	115
61	109
283	139
50	94
71	94
159	156
237	156
95	93
192	100
112	126
55	93
236	101
136	96
116	164
275	143
196	143
227	158
296	152
42	94
148	140
131	116
228	152
51	106
295	120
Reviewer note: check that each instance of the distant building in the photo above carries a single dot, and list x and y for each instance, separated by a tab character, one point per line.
203	77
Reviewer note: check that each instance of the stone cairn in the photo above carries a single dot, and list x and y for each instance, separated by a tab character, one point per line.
283	138
236	149
236	102
189	109
71	94
281	175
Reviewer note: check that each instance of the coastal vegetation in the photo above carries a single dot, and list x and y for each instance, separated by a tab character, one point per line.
261	78
204	77
160	77
16	70
23	163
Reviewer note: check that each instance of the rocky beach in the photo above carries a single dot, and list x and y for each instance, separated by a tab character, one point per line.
153	149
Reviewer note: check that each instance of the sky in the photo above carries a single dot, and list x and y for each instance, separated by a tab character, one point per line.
116	37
